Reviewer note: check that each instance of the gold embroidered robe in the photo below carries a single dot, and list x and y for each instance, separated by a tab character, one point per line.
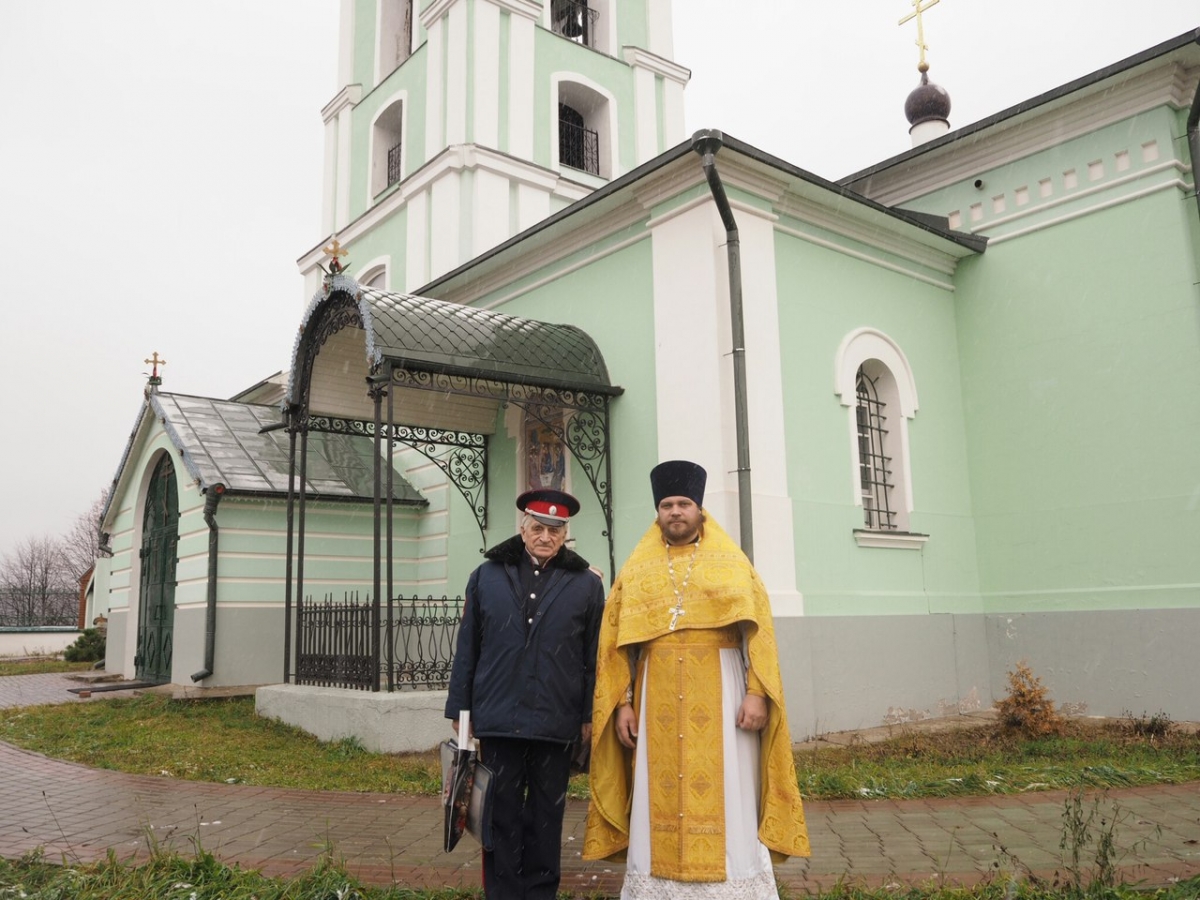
724	602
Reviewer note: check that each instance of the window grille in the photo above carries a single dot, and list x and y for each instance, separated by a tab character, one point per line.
874	464
393	164
578	147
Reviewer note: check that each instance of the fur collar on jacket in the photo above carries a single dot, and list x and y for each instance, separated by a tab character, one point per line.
509	552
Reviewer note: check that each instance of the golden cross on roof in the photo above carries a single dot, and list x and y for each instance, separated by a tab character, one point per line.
919	6
156	362
336	251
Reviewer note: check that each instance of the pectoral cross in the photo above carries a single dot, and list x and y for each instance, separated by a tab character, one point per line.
919	6
676	611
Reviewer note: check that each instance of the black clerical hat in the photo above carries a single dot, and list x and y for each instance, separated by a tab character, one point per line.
678	478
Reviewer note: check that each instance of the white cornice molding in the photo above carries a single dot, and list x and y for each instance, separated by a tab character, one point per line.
452	159
435	11
644	59
1170	165
1023	136
867	234
1173	184
527	263
529	9
891	540
347	97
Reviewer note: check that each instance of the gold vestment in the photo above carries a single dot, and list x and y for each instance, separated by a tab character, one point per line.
725	603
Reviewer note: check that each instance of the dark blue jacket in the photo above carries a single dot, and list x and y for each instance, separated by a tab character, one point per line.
533	683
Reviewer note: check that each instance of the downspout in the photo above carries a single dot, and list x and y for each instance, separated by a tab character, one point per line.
1193	137
707	143
211	499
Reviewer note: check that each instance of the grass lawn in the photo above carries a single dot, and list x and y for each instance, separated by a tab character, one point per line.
204	878
41	665
224	741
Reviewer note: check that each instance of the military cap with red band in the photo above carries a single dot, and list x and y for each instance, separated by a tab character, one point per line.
549	507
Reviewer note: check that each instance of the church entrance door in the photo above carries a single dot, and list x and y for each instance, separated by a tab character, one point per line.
156	608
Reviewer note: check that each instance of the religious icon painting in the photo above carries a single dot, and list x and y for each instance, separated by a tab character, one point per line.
545	455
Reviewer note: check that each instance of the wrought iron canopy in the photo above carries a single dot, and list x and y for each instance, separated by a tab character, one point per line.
421	334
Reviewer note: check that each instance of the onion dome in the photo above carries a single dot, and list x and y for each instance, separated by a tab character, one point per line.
928	102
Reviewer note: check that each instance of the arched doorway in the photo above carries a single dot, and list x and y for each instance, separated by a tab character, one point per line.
156	606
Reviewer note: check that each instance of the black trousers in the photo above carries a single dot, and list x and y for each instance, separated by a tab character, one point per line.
529	797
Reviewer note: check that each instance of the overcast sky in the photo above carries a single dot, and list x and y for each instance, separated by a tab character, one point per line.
160	172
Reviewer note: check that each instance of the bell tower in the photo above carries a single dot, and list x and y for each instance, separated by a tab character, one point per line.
460	123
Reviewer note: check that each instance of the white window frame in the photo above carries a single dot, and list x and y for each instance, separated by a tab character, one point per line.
389	125
879	352
599	110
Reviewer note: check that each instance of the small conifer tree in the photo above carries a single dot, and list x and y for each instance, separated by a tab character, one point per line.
1028	707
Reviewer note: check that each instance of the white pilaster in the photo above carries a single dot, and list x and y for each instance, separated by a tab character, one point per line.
329	185
645	109
446	225
489	211
648	68
416	251
662	38
456	74
342	203
774	533
486	76
521	101
533	205
435	122
345	68
692	360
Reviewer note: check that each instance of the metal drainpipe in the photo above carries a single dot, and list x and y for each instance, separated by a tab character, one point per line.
211	499
1193	136
707	142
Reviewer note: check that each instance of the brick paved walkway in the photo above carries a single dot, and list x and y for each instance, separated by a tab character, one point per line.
73	811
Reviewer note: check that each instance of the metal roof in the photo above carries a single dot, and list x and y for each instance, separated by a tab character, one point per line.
448	337
222	442
419	333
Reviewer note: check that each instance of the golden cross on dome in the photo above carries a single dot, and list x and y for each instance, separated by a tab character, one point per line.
156	362
336	251
919	6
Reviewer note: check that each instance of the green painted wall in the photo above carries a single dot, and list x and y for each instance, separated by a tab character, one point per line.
1080	347
824	295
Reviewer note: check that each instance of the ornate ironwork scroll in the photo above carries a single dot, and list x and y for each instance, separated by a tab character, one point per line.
337	315
461	455
578	418
423	639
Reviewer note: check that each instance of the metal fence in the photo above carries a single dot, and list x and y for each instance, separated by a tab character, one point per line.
336	643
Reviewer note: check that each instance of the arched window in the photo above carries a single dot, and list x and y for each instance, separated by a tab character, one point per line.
386	145
394	31
586	127
875	383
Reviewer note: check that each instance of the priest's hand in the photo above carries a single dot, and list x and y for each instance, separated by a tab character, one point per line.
585	733
627	725
753	714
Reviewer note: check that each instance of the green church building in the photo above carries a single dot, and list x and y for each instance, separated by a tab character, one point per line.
953	436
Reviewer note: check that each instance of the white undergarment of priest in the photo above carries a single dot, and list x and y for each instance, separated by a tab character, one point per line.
692	779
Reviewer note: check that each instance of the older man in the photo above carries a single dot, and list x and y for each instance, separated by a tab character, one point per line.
692	773
525	667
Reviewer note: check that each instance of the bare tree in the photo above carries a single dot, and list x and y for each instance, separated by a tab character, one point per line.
81	544
35	585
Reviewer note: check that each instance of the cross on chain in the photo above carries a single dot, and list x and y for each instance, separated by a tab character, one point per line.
676	611
919	6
